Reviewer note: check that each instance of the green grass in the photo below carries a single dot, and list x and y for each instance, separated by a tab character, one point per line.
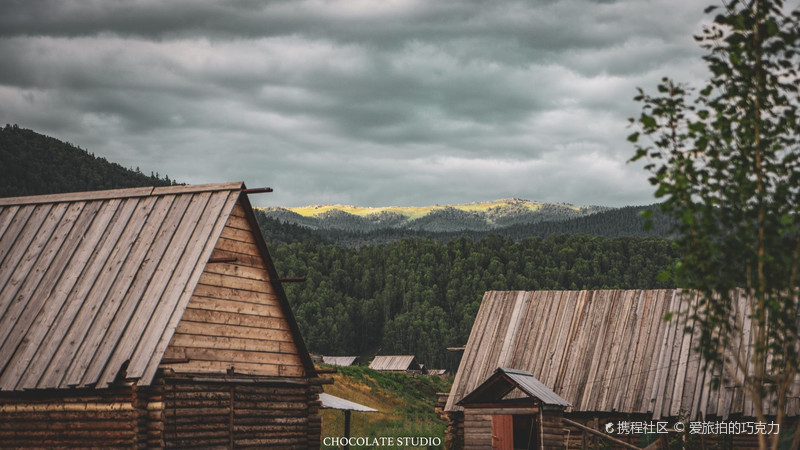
405	403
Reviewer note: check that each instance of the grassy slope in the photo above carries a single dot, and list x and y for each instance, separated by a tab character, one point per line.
405	403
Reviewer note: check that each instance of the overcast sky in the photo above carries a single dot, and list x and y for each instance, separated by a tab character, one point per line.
365	102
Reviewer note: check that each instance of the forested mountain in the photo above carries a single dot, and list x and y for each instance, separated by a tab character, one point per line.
419	296
611	223
481	216
31	164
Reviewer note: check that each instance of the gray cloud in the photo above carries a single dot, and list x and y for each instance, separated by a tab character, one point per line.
353	101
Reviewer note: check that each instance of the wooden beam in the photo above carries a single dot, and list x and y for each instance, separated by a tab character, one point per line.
222	260
257	190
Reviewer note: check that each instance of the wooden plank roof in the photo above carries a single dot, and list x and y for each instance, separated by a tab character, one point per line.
601	351
93	284
333	402
342	361
394	363
505	380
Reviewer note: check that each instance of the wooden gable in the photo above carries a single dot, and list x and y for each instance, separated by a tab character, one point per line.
238	317
93	286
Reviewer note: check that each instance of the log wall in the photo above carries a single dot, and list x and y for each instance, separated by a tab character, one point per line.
234	318
102	418
235	414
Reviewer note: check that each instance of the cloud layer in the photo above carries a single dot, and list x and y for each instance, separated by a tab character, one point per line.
393	102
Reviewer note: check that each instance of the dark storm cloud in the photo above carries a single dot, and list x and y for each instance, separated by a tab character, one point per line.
352	101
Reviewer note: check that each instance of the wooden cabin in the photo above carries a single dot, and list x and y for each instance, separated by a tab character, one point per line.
608	354
148	317
496	418
396	363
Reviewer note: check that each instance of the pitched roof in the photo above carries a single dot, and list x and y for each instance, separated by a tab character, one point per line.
504	380
342	361
394	362
602	351
94	283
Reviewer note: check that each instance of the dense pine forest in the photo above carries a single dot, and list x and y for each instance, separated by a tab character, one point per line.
419	296
390	291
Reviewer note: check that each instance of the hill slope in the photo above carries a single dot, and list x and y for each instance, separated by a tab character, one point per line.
405	404
481	216
32	163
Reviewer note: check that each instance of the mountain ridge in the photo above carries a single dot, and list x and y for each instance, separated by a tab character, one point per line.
474	216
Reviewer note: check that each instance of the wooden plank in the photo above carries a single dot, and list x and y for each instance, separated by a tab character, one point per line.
237	246
221	317
33	230
170	281
58	335
231	343
240	223
227	281
231	306
676	367
242	259
208	291
238	271
236	234
7	215
100	304
162	259
76	196
233	356
221	367
197	188
126	292
654	324
211	329
54	257
56	310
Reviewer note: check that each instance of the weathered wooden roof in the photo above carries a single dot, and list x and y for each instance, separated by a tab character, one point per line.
602	351
93	284
394	362
341	361
505	380
333	402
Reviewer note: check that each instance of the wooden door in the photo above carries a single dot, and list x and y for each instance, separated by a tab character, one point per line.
502	432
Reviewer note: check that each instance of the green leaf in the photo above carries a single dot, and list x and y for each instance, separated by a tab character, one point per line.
668	316
633	137
647	121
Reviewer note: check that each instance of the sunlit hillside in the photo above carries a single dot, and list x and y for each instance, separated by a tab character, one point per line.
479	216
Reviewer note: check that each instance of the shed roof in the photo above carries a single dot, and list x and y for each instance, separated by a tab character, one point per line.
601	350
504	380
394	362
341	361
93	284
333	402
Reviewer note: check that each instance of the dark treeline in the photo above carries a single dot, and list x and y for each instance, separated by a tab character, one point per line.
31	164
420	296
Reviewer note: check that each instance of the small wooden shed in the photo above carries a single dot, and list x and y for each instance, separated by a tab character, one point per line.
511	410
609	354
396	363
148	317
